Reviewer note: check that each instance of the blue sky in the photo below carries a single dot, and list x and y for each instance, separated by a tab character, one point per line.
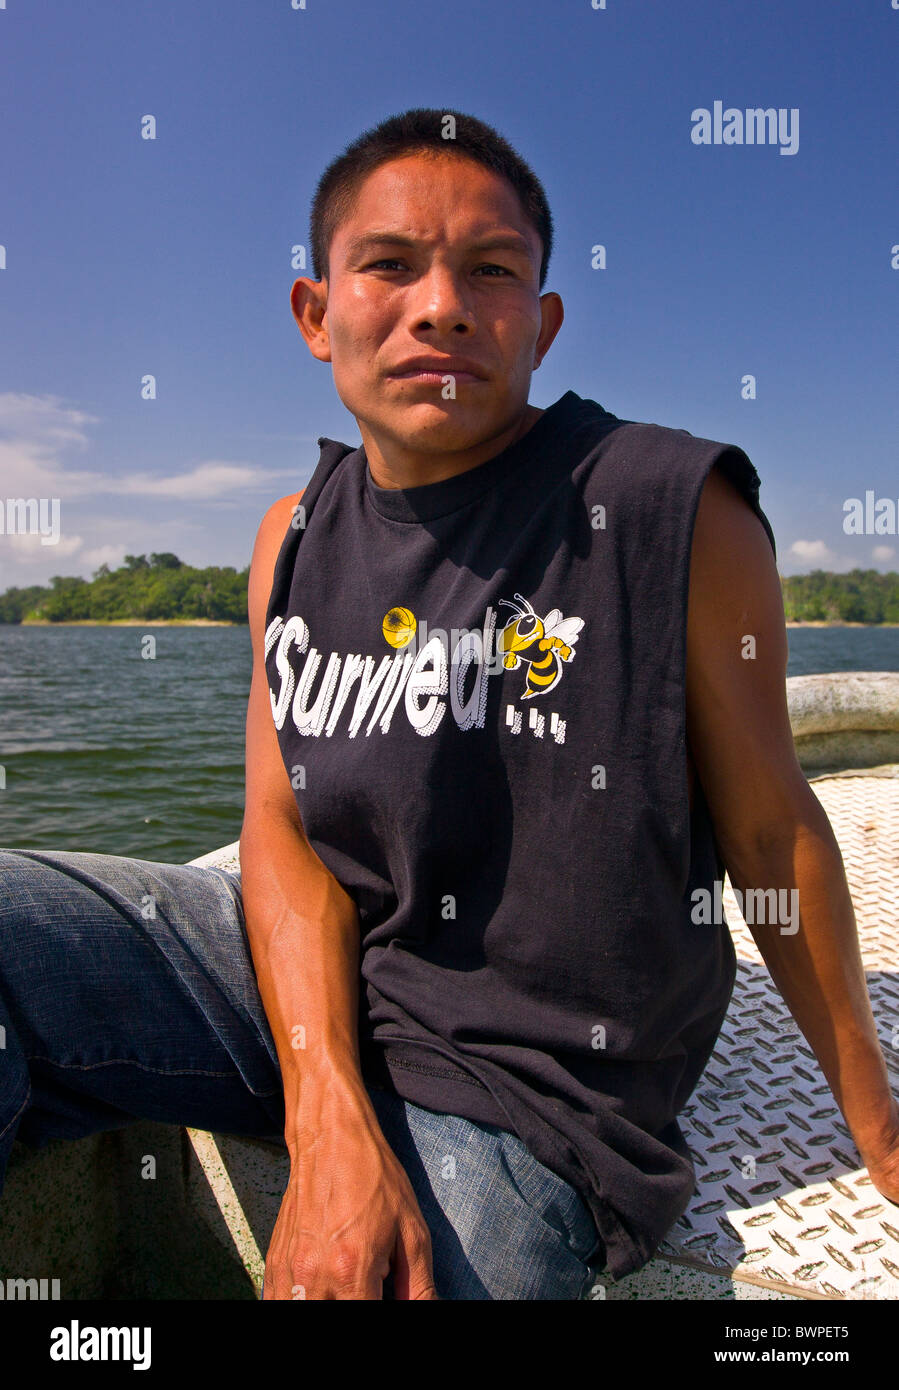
126	256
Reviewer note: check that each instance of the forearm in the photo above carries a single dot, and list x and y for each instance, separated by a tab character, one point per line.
303	930
818	970
349	1214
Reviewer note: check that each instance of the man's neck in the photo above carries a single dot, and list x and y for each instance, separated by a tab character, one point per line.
407	469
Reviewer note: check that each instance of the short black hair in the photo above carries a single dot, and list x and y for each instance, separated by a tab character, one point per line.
410	132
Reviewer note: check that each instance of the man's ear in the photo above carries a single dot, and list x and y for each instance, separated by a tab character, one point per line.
552	313
309	303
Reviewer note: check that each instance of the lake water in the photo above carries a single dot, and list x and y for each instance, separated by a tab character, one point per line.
107	751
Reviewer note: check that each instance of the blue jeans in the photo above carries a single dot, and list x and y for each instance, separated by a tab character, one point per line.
127	991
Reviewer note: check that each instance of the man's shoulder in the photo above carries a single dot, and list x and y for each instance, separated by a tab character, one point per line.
273	528
588	412
594	425
278	516
647	449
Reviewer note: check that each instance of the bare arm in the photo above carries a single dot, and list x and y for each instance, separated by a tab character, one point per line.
349	1211
772	829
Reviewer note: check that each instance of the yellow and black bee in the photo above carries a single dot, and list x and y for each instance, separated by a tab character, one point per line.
550	640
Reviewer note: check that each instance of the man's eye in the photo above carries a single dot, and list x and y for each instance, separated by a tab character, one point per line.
393	261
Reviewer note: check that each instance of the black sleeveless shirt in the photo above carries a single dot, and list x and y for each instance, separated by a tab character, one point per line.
479	691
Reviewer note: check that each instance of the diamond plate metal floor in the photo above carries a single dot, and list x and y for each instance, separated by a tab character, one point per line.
805	1219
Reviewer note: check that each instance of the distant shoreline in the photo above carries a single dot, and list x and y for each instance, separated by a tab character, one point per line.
128	622
228	622
820	622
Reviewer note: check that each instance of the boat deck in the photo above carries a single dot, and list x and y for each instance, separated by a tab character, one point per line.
808	1222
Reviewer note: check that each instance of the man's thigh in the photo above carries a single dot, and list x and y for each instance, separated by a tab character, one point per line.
502	1225
128	992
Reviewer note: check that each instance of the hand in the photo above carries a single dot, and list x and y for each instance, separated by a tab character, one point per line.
883	1170
349	1213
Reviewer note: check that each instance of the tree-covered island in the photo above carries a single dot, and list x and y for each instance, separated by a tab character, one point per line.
161	588
158	587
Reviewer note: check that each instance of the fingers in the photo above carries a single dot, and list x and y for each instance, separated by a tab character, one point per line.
361	1279
348	1276
413	1272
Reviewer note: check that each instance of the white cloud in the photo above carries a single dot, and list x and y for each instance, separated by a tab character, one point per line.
105	514
111	555
26	548
816	553
44	421
24	561
35	431
204	482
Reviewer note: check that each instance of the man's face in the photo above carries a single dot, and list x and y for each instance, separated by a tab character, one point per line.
437	259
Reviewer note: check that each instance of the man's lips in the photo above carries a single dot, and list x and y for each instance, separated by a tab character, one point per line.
430	369
435	378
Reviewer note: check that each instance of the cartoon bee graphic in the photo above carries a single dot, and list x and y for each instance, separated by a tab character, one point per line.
550	641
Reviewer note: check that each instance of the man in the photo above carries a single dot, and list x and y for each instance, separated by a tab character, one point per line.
518	693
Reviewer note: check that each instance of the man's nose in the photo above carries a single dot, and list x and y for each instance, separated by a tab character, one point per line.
442	302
